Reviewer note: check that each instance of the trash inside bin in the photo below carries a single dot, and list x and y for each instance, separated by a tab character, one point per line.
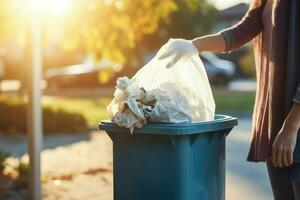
168	161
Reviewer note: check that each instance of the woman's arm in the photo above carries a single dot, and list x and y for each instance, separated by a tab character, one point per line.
226	40
215	43
293	118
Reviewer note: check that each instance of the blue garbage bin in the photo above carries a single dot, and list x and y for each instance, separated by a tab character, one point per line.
167	161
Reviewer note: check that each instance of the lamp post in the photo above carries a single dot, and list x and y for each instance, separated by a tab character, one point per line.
34	111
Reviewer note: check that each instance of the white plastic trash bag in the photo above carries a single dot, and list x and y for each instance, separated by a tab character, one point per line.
187	77
180	93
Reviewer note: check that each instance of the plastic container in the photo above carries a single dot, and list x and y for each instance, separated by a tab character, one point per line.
165	161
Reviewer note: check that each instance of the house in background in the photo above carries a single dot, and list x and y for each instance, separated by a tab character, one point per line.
230	16
242	57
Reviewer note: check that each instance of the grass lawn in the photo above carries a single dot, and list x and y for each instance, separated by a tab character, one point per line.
232	101
94	109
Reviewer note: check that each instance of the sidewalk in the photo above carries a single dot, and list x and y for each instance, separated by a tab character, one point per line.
244	180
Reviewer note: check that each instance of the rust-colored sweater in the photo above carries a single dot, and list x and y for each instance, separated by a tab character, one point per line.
261	23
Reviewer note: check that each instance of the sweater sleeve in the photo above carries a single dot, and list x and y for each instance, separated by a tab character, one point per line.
245	30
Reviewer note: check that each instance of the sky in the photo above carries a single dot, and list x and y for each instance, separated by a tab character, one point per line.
221	4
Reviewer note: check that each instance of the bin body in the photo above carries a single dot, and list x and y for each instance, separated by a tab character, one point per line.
184	162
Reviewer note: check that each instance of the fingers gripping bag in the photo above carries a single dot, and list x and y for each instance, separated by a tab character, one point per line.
157	93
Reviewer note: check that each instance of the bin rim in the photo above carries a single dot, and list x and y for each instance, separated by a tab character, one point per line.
221	122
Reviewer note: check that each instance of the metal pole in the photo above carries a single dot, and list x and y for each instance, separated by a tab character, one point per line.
34	108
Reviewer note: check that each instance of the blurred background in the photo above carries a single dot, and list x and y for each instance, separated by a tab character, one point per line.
86	46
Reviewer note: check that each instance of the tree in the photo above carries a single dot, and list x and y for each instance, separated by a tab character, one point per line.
110	29
106	28
193	18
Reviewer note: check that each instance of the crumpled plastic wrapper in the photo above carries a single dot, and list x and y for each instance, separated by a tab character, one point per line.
133	106
169	108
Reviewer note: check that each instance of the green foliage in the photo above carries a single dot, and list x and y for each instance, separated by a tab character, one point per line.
234	101
14	181
63	121
192	18
23	169
92	108
110	29
247	63
3	156
13	118
22	180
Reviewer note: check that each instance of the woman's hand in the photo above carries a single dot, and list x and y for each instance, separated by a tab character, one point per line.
285	142
283	146
176	49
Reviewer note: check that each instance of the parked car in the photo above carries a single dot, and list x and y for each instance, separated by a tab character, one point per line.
88	74
220	72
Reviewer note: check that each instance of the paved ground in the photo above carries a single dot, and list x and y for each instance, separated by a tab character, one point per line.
245	180
242	85
81	167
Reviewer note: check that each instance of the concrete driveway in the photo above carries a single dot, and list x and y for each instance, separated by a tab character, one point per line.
245	180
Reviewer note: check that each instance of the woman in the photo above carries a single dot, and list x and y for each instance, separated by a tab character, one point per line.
275	27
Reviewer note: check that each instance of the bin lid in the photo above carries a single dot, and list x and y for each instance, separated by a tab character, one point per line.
221	122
